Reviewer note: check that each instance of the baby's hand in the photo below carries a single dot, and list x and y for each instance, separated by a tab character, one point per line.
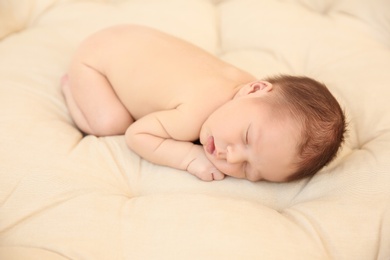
202	168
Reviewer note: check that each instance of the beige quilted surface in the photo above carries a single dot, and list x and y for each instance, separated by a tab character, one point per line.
63	196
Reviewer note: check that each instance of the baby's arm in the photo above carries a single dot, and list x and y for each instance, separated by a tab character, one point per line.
161	137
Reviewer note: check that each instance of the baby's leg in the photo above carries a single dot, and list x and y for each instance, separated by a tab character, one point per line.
93	104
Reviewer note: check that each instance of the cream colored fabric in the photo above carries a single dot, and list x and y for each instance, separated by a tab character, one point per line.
65	196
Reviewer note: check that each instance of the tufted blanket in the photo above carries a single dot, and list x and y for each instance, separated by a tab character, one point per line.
66	196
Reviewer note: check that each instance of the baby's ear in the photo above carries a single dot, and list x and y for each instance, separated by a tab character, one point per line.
258	87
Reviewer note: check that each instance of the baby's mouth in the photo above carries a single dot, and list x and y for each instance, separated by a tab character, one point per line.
210	146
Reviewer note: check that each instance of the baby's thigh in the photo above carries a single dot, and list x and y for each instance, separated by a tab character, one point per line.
87	83
97	100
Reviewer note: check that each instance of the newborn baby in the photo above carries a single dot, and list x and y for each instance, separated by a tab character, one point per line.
164	94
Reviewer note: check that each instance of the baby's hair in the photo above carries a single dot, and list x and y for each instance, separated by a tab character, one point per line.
320	116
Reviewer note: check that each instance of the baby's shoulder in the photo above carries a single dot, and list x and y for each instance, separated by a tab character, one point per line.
203	103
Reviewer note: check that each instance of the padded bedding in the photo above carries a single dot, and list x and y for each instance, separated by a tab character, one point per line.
68	196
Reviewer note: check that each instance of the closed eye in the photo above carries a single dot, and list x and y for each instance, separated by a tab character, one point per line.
247	135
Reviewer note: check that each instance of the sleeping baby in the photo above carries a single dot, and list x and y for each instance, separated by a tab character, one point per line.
181	107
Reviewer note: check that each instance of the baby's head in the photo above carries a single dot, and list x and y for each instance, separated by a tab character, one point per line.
320	117
281	128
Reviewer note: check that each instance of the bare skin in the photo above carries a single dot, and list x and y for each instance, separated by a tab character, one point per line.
160	92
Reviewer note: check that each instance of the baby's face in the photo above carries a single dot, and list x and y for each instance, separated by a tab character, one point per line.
243	140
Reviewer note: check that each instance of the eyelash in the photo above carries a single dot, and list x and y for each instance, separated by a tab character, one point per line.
245	165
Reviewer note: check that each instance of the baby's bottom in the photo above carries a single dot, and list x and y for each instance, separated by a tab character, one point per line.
93	104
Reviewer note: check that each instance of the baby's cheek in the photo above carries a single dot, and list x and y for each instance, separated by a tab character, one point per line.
254	178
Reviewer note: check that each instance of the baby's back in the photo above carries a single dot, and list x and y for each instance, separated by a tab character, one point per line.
152	71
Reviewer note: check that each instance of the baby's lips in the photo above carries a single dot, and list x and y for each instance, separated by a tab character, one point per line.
210	146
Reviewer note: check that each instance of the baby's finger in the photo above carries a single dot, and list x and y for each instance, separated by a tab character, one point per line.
205	176
217	176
